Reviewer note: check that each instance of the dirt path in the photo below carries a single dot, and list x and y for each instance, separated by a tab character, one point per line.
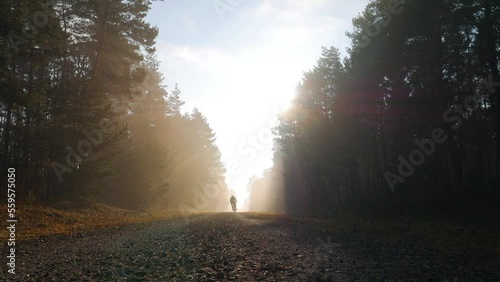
237	247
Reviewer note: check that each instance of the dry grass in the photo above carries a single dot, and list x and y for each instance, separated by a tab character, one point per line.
66	218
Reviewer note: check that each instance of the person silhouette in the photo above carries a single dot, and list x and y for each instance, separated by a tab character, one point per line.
232	200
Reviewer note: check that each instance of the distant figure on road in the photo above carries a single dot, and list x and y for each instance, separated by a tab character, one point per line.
233	202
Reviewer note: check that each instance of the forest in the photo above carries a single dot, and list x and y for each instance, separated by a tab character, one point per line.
407	123
84	111
383	166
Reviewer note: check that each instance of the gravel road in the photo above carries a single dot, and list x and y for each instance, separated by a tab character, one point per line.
238	247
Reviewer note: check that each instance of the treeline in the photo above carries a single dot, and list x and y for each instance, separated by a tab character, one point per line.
409	122
83	111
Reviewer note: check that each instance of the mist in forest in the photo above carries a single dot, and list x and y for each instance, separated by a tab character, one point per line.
266	190
405	119
85	112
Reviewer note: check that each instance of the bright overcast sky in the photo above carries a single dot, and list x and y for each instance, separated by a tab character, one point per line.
239	64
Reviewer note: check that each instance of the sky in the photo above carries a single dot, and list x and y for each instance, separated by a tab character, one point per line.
239	62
